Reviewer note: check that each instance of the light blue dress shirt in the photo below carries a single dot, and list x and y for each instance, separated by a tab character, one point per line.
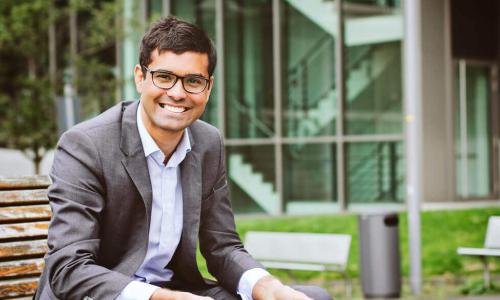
166	221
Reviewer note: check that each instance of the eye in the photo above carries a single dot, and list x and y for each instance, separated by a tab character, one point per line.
194	81
164	77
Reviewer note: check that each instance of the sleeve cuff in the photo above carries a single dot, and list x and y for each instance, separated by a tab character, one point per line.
248	280
137	290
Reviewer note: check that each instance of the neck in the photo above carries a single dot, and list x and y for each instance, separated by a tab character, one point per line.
167	141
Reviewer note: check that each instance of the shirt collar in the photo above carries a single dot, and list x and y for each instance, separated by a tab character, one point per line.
150	145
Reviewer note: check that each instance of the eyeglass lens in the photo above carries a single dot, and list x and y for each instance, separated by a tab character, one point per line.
192	84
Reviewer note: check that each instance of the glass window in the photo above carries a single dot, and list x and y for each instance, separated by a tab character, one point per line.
473	137
375	172
251	177
309	178
201	13
309	69
378	3
373	68
249	68
155	9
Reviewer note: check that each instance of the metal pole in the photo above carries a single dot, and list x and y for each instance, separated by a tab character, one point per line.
166	8
118	53
464	176
73	42
129	49
220	72
413	130
340	84
278	151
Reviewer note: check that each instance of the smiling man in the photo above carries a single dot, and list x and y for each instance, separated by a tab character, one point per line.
138	187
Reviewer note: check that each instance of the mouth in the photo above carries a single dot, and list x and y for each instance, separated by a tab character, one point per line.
174	109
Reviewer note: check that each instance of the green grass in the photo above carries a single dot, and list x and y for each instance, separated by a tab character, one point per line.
442	233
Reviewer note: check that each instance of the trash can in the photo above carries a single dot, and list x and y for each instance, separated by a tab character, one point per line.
379	254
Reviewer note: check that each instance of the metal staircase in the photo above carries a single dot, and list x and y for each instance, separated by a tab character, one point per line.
311	120
358	31
253	184
309	112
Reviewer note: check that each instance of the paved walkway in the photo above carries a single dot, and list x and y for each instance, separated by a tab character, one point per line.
15	163
492	297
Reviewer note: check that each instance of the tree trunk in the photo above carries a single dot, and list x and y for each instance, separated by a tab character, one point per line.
37	161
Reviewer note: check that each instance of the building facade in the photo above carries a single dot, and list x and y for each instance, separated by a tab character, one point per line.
309	97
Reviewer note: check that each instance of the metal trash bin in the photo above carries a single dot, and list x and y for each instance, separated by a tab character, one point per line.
379	254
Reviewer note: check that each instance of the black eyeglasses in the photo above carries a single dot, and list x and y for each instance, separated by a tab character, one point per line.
192	84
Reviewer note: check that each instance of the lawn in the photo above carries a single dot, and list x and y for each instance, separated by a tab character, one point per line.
442	233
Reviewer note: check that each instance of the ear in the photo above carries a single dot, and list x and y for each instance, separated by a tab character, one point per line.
138	78
211	85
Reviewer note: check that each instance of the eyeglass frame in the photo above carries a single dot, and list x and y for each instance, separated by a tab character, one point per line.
177	77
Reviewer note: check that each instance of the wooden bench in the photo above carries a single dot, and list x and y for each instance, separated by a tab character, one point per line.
24	219
301	251
491	247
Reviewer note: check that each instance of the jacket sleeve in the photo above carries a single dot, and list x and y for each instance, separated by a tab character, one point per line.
220	244
77	199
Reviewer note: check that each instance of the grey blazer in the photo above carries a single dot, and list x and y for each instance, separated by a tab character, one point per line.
101	202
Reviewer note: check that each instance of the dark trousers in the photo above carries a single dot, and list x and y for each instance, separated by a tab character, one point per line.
211	289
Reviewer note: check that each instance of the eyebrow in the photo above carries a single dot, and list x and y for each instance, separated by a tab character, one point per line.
170	72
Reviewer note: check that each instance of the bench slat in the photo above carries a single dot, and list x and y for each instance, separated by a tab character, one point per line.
18	268
18	287
294	247
23	230
22	197
15	250
299	266
478	251
24	182
25	213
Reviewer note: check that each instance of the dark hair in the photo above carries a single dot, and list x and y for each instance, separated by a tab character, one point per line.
172	34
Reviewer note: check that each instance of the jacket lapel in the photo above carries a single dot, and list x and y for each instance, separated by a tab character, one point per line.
135	162
191	194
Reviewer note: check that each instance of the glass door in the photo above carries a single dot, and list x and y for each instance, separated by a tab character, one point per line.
473	134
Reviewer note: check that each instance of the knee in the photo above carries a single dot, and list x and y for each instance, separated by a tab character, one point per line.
321	294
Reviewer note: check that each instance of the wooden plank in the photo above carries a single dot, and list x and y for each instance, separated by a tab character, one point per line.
13	250
18	287
25	213
23	231
24	182
22	197
21	268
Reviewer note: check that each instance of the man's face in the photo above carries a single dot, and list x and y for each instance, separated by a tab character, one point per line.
172	110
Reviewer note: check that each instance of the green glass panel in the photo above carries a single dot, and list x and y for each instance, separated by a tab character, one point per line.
379	3
375	172
249	69
201	13
310	178
251	176
155	9
309	100
476	161
373	69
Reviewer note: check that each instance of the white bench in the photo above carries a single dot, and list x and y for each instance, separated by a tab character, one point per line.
301	251
491	247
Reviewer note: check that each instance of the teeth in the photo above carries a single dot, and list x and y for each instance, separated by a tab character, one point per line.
172	108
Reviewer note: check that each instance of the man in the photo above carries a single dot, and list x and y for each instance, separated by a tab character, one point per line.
137	187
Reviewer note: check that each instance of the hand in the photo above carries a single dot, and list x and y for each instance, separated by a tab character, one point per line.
270	288
164	294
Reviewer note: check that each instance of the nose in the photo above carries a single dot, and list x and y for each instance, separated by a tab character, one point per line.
177	92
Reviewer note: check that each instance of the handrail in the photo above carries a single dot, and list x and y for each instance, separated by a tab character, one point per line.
312	50
302	65
356	173
240	107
